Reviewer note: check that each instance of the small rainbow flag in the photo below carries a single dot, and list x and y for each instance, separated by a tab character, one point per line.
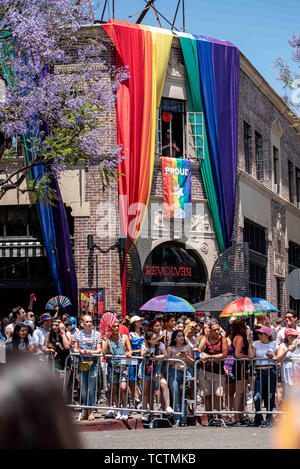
176	188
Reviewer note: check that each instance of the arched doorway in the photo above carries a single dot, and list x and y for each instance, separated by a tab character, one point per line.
172	268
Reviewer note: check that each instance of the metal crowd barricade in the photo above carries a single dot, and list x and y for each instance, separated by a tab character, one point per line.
249	389
128	385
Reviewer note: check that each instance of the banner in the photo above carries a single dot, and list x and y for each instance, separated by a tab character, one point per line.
176	188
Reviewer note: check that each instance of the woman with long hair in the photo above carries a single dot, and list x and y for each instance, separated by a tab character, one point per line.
288	355
240	345
57	344
20	340
179	350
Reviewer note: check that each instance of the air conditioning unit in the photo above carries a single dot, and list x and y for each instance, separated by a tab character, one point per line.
277	188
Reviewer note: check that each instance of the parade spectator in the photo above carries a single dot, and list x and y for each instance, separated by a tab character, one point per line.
118	345
123	324
18	315
268	323
259	321
39	335
279	325
169	325
20	341
150	372
288	355
146	326
30	320
57	344
179	350
33	414
88	343
213	349
190	333
239	341
180	325
136	340
290	323
230	379
156	327
263	350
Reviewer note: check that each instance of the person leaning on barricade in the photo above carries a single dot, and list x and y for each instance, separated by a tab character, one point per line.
213	349
57	344
39	335
179	373
87	343
288	355
117	345
263	350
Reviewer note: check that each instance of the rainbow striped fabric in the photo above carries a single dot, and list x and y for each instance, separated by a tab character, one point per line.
176	188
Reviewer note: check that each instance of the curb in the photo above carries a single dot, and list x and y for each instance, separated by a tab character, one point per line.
130	424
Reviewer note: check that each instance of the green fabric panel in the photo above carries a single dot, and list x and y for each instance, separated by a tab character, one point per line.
189	49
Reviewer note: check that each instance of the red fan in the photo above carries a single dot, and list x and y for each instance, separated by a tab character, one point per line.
106	323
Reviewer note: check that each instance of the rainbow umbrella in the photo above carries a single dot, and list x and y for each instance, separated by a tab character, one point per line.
168	304
246	306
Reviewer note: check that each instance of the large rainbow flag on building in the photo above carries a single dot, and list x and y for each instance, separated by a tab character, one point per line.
176	188
212	82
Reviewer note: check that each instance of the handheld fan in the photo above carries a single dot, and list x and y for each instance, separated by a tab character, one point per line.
106	323
61	301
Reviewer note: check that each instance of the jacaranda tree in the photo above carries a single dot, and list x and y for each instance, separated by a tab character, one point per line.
290	78
51	113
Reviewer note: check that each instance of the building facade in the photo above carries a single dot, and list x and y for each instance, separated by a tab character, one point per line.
170	258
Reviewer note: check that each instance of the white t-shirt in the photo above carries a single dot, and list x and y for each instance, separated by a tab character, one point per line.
160	347
38	337
260	352
281	336
87	341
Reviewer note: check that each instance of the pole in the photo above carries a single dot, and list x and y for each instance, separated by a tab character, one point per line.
97	282
183	16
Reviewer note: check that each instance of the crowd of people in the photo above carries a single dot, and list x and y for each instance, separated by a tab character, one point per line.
229	368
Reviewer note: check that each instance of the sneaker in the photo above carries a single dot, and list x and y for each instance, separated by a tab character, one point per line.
119	415
249	398
83	415
145	417
239	423
110	414
169	410
124	415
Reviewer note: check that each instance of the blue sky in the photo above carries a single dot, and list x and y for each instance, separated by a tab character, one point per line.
260	28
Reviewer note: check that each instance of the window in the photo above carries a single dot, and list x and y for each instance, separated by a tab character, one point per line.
276	170
247	147
291	181
259	157
279	295
298	186
294	263
171	128
256	237
257	280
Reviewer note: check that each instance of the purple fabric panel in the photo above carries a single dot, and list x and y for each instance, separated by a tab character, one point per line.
226	62
64	251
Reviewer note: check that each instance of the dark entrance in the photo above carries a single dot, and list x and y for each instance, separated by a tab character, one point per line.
173	269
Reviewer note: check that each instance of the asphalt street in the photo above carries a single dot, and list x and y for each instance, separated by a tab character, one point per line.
180	438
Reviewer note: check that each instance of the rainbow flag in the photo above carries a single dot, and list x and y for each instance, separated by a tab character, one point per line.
176	188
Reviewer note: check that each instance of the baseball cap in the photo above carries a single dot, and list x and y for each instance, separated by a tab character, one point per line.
135	319
45	317
73	321
264	330
290	331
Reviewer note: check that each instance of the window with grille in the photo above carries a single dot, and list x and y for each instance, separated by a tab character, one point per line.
291	181
255	236
276	170
298	187
294	263
247	146
262	158
195	135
